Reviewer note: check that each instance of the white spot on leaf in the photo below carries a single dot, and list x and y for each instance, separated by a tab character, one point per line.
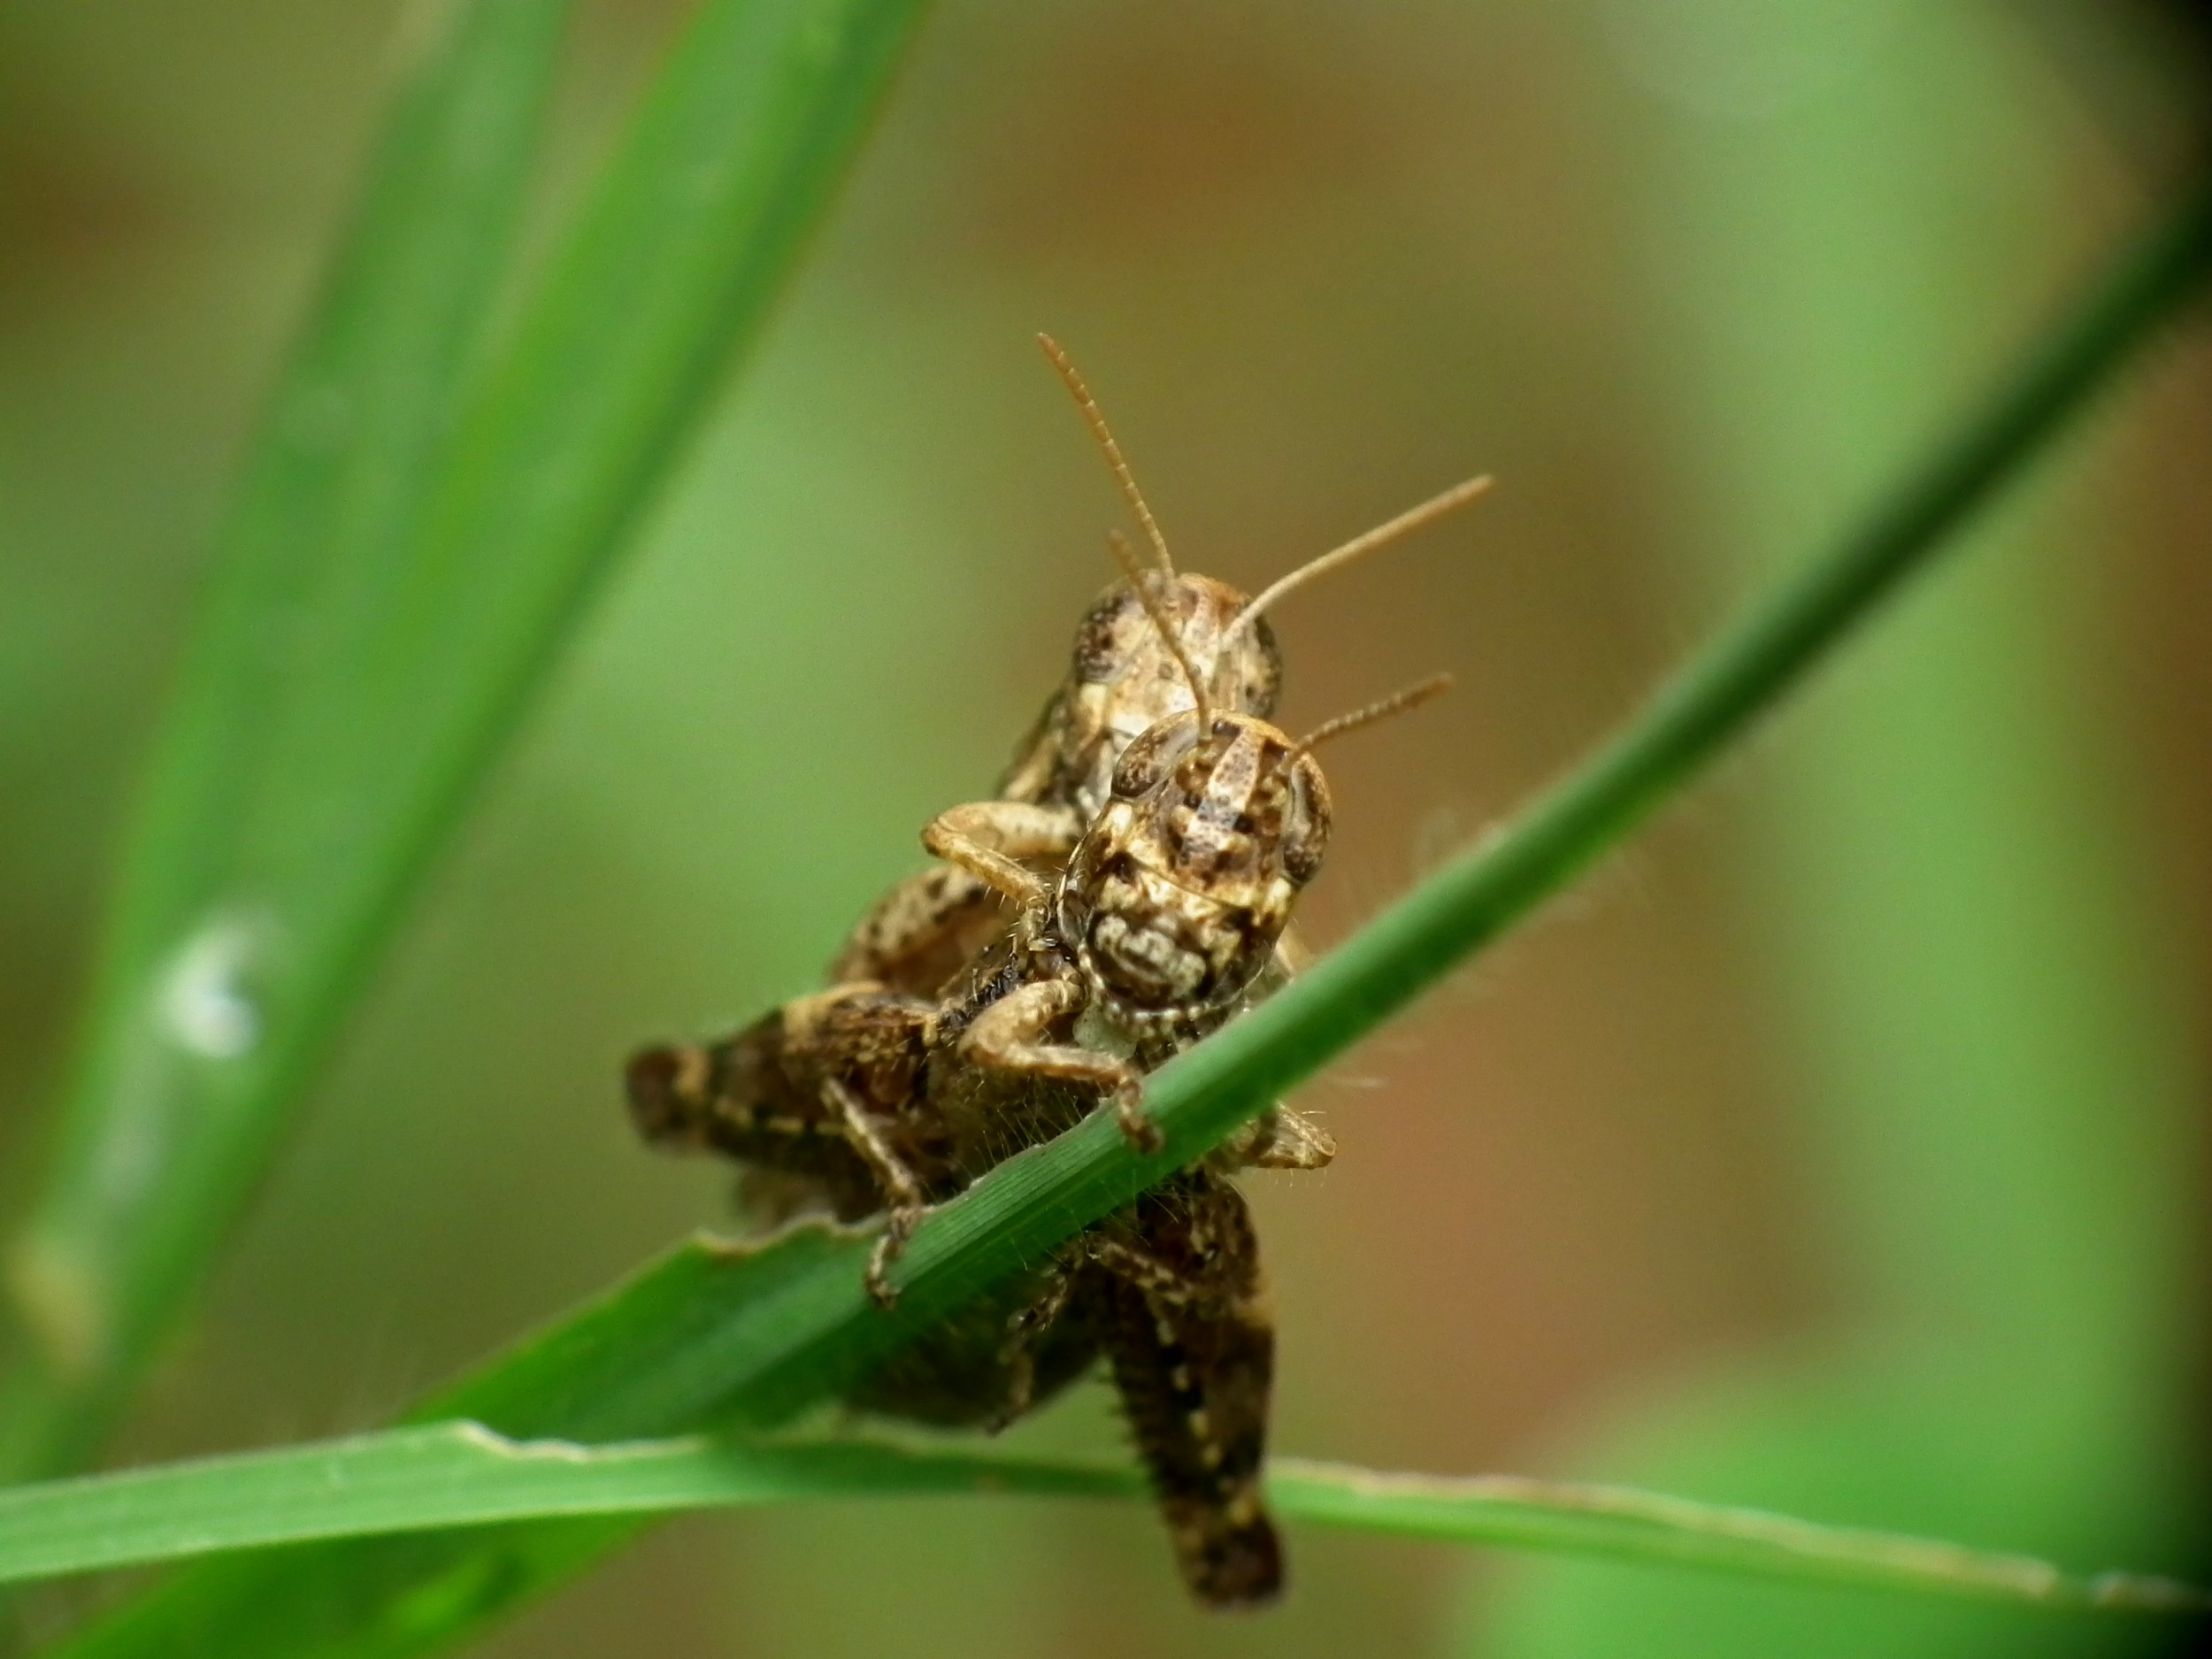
202	1003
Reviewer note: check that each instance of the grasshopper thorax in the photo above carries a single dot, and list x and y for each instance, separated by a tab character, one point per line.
1176	899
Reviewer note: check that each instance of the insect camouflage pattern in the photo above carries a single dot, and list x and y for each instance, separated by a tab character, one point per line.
1151	837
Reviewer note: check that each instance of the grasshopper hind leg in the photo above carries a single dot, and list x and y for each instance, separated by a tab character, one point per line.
929	927
1192	1344
923	933
1189	1387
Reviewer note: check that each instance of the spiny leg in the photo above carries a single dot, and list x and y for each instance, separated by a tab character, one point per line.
907	1205
1009	1037
1134	1264
1188	1243
1024	1331
1278	1139
989	838
1189	1273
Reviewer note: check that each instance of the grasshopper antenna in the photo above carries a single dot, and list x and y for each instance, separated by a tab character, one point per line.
1397	702
1404	525
1095	419
1125	557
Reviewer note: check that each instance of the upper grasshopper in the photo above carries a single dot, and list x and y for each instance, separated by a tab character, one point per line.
1151	646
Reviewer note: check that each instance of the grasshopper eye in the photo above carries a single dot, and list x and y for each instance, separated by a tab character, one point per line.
1107	635
1153	756
1306	832
1261	671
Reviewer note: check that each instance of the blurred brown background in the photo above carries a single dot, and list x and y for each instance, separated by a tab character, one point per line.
1838	1147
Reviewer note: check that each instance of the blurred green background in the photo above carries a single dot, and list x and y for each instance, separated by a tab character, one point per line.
1839	1148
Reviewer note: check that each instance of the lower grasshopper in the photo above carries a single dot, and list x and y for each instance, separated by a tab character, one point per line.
1164	921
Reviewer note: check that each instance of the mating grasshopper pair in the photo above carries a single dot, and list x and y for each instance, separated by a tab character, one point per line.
1151	836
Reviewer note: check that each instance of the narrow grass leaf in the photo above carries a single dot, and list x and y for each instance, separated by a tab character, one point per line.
393	694
1622	1524
223	947
712	1335
460	1474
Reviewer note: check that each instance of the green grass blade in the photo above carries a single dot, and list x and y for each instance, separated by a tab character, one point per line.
191	1042
657	1354
1622	1524
709	1333
391	713
459	1474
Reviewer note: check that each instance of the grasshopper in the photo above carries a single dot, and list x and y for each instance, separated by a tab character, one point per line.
1128	672
1152	849
1164	922
1154	646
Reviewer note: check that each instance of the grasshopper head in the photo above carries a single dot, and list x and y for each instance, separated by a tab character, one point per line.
1126	680
1177	897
